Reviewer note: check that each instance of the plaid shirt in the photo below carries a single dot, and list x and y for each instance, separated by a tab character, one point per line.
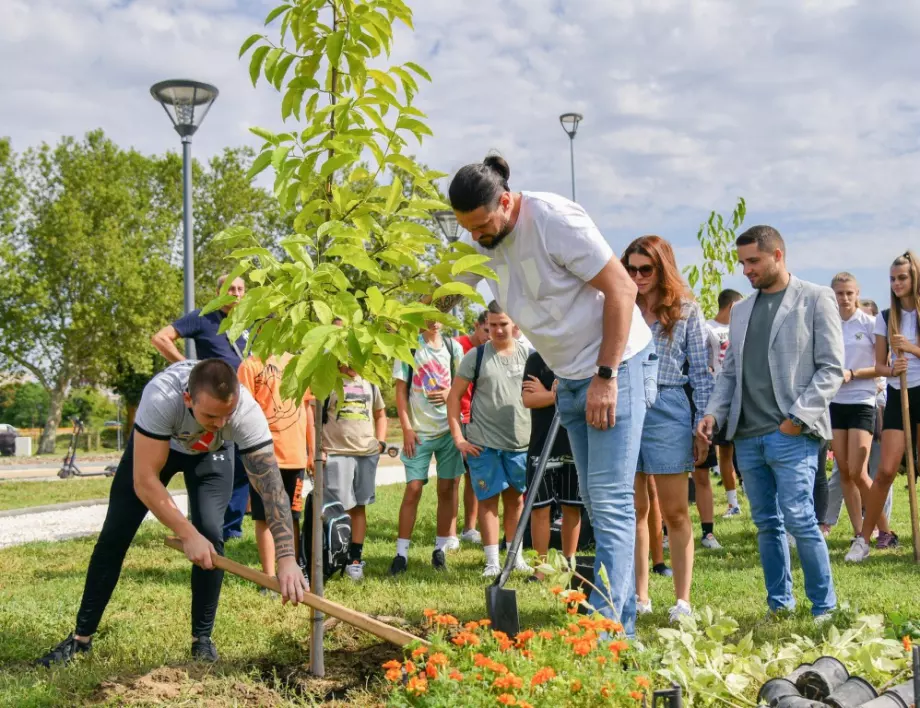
687	344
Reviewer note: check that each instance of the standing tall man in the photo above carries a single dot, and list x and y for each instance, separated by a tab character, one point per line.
559	280
210	344
783	366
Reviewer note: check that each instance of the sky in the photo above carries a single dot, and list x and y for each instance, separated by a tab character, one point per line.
809	109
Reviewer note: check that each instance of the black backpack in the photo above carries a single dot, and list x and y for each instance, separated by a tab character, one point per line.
336	538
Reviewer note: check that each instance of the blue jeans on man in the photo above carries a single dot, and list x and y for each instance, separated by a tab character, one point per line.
606	464
779	476
239	498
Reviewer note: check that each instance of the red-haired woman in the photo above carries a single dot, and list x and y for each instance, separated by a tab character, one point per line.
898	334
669	448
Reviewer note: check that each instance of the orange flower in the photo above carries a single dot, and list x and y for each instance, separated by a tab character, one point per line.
507	699
417	684
602	660
431	671
481	660
471	626
499	635
545	635
455	675
429	613
556	590
618	646
572	610
393	664
485	623
905	640
607	690
438	659
576	686
410	667
547	673
562	633
446	620
636	695
524	637
510	681
643	682
574	628
524	704
479	677
421	651
394	675
466	639
582	648
576	597
527	654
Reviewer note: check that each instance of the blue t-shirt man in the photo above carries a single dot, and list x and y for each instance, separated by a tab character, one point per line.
209	344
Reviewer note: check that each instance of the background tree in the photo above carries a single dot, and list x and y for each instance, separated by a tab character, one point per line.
719	257
86	264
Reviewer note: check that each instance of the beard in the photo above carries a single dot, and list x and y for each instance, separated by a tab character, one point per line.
493	241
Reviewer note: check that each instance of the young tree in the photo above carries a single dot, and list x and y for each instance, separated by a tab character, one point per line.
719	257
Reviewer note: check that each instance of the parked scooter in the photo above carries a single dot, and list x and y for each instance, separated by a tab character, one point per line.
70	467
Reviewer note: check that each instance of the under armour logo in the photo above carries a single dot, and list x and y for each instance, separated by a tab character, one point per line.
219	457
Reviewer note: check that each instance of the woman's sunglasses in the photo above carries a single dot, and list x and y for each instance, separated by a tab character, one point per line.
645	271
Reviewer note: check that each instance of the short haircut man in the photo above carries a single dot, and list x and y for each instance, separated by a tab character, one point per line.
729	297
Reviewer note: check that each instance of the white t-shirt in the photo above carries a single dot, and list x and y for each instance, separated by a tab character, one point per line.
717	341
859	353
909	330
543	267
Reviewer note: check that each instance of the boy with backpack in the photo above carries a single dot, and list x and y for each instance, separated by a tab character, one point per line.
354	436
421	401
498	432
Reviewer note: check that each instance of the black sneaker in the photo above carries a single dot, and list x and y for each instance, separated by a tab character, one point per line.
203	649
438	561
399	565
65	652
662	569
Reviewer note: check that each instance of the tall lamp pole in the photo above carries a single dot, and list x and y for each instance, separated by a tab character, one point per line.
569	122
186	103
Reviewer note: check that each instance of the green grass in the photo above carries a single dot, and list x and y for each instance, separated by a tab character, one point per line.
19	495
141	652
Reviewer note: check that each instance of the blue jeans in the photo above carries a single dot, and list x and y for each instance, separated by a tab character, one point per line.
606	463
779	476
236	509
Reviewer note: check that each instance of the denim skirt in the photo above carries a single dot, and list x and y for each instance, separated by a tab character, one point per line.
667	436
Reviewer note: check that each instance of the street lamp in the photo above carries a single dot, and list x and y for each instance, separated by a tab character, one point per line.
447	220
186	103
569	122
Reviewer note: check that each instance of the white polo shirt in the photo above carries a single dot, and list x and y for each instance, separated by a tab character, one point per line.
859	353
909	330
543	267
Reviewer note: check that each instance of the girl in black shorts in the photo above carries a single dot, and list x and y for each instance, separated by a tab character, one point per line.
905	358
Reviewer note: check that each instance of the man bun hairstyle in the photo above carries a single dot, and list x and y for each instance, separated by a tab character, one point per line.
480	184
767	239
215	378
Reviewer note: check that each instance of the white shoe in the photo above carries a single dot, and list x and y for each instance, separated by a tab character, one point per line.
710	542
355	571
681	608
643	608
471	536
732	511
823	619
453	544
859	551
491	571
521	565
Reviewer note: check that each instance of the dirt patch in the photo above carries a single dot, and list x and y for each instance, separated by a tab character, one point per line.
195	685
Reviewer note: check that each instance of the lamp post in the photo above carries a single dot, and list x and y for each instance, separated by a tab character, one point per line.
447	220
569	122
189	102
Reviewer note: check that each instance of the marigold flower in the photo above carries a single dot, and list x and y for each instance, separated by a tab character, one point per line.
608	689
394	675
527	654
523	637
602	660
524	704
393	664
410	667
446	620
466	639
471	626
905	640
636	695
499	635
421	651
643	681
485	623
510	681
455	675
545	635
479	677
582	648
576	597
431	671
619	645
574	628
417	684
507	699
556	590
562	633
429	613
480	659
547	673
576	686
572	610
438	659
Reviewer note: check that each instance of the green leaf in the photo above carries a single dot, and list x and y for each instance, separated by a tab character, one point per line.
232	235
382	78
412	227
449	289
271	60
336	162
374	299
237	271
252	39
217	303
261	162
278	155
395	196
263	133
323	312
462	265
418	70
274	13
334	43
281	70
404	163
255	64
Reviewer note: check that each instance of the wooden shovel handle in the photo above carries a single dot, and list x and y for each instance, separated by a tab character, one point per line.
911	467
360	620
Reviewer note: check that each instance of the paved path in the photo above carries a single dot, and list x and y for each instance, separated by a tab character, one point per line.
65	521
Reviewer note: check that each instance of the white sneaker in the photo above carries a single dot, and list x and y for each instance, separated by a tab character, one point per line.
710	542
643	608
491	571
732	511
453	544
471	536
859	551
521	565
355	571
681	608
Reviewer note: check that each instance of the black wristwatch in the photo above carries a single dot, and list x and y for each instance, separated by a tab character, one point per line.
605	372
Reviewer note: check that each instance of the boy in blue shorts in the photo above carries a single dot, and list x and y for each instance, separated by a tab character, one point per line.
421	401
497	436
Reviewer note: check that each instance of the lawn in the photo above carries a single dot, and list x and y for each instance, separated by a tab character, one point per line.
141	652
19	495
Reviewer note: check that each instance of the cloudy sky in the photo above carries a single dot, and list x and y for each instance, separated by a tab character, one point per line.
807	108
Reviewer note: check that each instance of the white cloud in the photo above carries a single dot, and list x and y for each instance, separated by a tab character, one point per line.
808	109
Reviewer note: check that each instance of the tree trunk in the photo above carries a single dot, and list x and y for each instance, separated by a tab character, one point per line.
55	407
130	412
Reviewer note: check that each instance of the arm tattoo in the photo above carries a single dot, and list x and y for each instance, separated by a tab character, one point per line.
446	304
265	477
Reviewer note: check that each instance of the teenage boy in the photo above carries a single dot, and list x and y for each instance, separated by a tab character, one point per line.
498	431
718	345
421	401
354	436
560	480
291	426
480	335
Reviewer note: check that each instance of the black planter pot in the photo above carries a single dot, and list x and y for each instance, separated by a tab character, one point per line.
798	702
776	688
822	679
852	694
900	696
794	676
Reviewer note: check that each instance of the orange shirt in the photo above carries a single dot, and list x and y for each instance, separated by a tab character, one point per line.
291	423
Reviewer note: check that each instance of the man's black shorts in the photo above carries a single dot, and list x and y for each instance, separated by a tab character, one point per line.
293	485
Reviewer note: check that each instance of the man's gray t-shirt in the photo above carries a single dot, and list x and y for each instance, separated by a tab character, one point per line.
498	417
760	413
162	415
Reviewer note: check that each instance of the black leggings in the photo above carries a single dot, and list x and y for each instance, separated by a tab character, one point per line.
209	481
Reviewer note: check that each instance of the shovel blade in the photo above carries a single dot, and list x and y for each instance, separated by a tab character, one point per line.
501	605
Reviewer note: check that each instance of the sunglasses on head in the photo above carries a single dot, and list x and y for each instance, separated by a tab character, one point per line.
645	271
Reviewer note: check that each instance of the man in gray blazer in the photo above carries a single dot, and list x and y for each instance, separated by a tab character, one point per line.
783	366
